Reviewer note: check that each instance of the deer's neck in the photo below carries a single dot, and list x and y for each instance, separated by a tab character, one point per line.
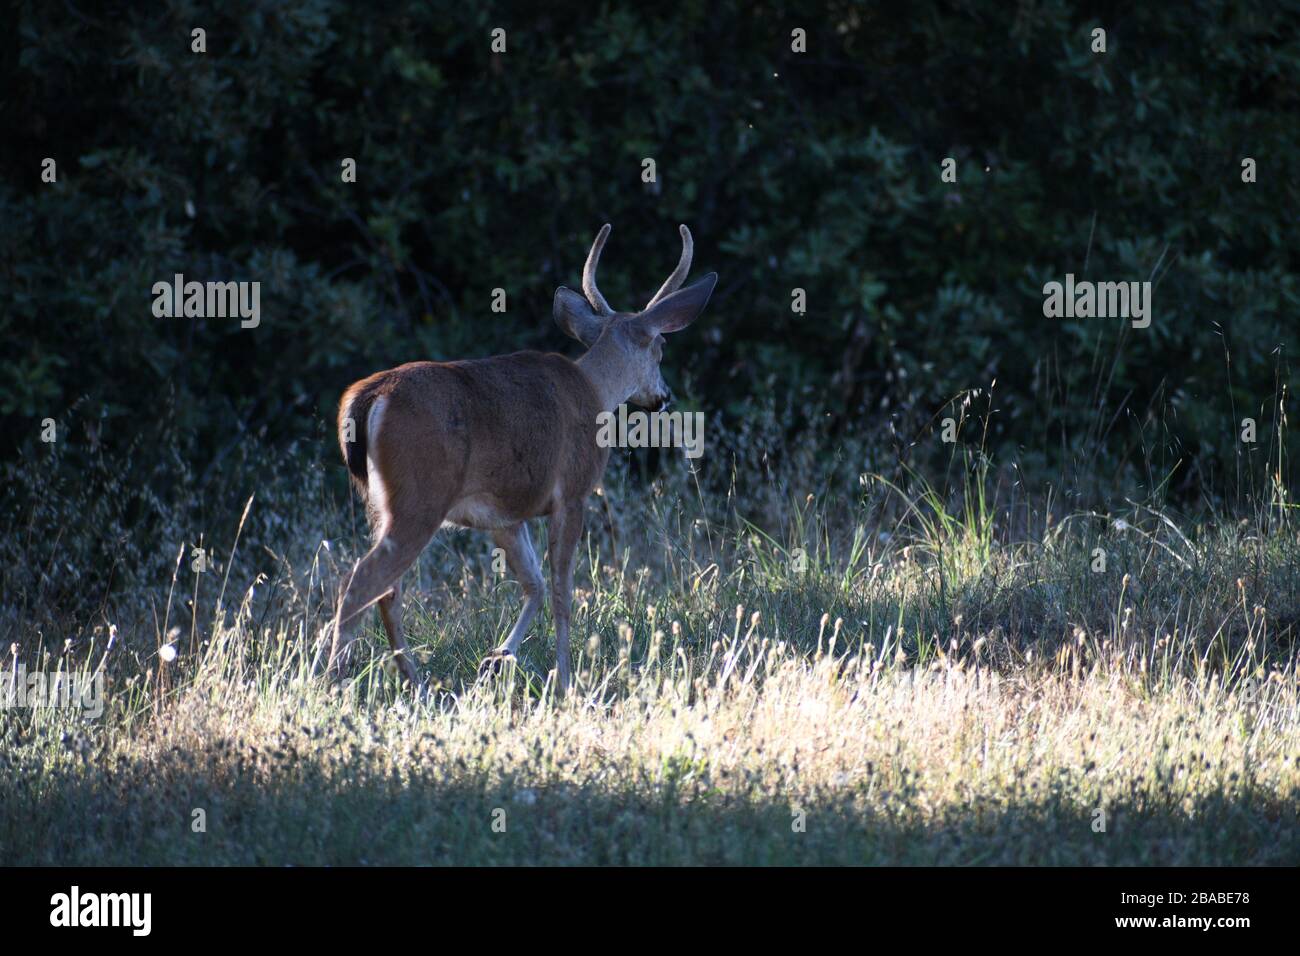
606	368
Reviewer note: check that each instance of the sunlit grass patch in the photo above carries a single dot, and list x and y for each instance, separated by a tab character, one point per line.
895	681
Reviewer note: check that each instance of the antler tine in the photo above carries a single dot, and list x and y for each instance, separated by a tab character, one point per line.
589	274
674	281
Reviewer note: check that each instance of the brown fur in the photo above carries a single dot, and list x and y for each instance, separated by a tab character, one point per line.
539	408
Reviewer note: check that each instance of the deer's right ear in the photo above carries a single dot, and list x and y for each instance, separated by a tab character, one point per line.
576	318
678	310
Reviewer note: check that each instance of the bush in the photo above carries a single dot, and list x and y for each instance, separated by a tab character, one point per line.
816	170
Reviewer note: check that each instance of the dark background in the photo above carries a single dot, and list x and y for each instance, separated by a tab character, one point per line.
817	171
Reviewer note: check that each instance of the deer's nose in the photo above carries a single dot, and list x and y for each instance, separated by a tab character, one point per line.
665	401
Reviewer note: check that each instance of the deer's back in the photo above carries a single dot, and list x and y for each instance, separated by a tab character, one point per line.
495	440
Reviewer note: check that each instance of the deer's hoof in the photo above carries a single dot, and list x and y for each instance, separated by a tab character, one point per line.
495	663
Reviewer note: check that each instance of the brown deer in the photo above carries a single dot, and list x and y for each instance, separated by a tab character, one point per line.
489	443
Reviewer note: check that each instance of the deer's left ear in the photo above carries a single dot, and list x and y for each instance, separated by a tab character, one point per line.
575	317
674	312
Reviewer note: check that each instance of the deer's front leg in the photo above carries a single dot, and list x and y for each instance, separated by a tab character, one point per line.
521	557
565	530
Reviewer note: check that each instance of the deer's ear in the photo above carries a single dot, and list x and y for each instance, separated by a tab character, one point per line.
674	312
575	317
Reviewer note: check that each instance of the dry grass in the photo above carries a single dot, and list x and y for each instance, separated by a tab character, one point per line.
926	694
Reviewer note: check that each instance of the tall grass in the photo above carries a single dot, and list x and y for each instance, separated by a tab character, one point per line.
875	672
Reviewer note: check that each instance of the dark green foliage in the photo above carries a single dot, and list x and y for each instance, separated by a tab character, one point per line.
818	171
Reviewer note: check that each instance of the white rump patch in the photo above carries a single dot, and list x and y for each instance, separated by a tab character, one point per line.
375	489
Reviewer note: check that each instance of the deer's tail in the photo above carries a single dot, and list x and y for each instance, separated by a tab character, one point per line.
354	411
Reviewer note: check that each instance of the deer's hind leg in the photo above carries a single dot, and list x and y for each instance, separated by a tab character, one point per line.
390	612
401	535
390	609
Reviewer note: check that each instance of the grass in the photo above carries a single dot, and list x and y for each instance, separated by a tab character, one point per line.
888	677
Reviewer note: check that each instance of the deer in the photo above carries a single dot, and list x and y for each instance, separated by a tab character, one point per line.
491	443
